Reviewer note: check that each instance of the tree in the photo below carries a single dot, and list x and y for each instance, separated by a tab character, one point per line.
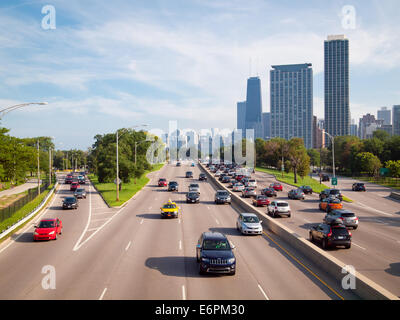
369	163
298	157
394	168
314	157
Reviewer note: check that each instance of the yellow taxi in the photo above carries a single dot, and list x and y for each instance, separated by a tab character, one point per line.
169	210
329	204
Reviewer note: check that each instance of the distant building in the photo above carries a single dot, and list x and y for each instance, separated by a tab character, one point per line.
241	116
291	94
266	120
368	125
318	135
254	107
396	120
354	130
337	92
386	115
387	128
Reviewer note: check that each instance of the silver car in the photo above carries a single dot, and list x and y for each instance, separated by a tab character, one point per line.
279	208
348	218
80	194
194	187
248	223
249	192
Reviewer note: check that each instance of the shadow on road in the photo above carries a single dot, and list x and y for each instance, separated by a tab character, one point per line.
394	269
226	231
152	216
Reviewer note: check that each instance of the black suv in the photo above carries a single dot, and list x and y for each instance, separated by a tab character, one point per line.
202	177
173	186
331	235
189	174
192	197
70	203
215	255
306	189
324	177
222	196
358	187
330	193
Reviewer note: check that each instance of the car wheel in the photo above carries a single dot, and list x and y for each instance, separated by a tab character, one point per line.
355	228
201	271
324	246
311	237
289	215
233	273
348	246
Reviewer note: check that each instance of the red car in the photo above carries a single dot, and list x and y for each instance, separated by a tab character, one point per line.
162	182
239	178
261	201
276	186
48	229
74	186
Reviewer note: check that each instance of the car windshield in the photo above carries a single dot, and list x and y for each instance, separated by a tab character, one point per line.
194	186
169	206
223	193
162	180
335	192
70	200
46	224
216	245
193	194
250	219
261	197
173	183
79	190
282	204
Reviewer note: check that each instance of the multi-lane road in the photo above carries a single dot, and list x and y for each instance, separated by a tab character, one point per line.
375	250
131	253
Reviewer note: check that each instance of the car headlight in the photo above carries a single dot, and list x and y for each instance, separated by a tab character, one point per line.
50	233
176	212
231	260
36	234
205	260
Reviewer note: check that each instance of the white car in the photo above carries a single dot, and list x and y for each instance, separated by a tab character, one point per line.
252	183
238	187
248	223
194	187
279	208
218	173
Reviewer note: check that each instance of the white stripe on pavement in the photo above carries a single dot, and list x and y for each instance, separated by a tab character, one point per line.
262	291
129	244
102	295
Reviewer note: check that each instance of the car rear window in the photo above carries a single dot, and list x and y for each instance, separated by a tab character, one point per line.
335	192
281	204
334	201
348	215
223	193
340	231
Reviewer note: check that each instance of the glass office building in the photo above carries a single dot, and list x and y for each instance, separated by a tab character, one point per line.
254	107
337	101
241	116
291	96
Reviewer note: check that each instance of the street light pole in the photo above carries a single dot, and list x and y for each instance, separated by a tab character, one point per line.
17	106
38	163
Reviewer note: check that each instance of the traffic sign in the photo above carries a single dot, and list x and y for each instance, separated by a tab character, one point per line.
334	181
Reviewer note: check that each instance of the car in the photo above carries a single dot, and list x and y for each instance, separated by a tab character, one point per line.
214	253
238	187
358	187
226	179
239	177
202	177
189	174
80	193
276	186
162	182
192	197
279	208
324	177
261	201
48	229
192	165
327	193
348	218
269	192
222	196
173	186
68	179
249	192
331	235
306	189
329	204
70	203
217	173
251	183
194	187
248	223
169	210
221	176
81	179
296	194
178	164
74	186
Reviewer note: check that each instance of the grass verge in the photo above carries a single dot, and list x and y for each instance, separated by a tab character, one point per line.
24	211
109	193
288	178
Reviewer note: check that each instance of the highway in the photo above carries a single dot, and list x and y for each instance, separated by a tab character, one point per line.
375	250
131	253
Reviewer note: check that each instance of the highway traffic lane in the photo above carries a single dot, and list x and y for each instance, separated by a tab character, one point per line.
22	262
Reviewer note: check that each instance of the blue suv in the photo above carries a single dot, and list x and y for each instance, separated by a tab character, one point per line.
214	254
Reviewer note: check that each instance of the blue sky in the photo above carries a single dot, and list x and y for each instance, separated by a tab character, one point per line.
113	64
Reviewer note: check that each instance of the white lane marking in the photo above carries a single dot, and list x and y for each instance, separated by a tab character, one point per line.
76	247
180	245
102	295
141	222
217	221
179	220
129	244
262	291
183	293
307	221
150	207
92	229
376	210
358	245
208	207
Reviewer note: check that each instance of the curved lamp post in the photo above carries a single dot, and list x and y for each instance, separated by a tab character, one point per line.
18	106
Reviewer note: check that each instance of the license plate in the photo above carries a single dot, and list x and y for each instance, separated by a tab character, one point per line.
340	237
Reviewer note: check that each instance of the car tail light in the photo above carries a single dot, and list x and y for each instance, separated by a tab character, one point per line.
350	234
341	218
356	219
329	234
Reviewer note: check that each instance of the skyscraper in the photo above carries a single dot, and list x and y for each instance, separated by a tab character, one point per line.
291	93
337	100
385	115
396	120
241	116
266	120
254	106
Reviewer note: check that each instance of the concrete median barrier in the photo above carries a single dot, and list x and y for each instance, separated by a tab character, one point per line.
395	195
365	288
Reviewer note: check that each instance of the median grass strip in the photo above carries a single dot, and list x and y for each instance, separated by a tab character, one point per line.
288	178
109	193
24	211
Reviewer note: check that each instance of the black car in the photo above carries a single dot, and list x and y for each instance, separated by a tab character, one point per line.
306	189
221	176
70	203
214	254
269	192
173	186
189	174
331	235
202	177
68	180
358	187
192	197
222	196
324	177
329	193
178	164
